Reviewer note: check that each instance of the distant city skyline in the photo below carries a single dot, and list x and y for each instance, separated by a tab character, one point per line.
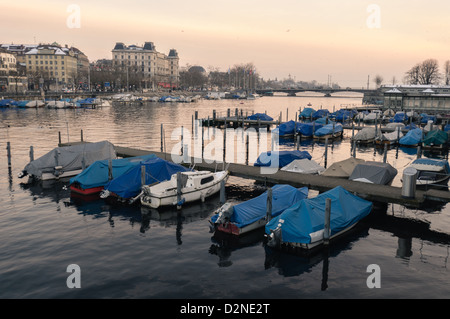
348	40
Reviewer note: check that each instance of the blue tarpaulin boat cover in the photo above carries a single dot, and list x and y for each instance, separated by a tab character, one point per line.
260	116
128	185
329	129
425	118
435	137
284	157
413	137
287	128
306	129
320	113
443	164
248	212
306	218
307	112
97	174
399	117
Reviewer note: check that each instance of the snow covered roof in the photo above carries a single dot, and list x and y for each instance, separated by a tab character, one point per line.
394	90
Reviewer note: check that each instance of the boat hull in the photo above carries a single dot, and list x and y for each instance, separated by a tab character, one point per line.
87	191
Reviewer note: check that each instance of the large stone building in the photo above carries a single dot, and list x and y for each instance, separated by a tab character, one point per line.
11	79
51	65
434	98
151	67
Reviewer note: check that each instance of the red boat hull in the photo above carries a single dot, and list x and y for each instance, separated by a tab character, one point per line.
87	191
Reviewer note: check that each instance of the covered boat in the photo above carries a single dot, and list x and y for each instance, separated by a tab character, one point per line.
389	138
372	117
435	139
128	185
365	136
308	129
431	171
252	214
412	138
302	225
97	175
342	169
260	116
286	129
283	157
68	161
400	117
304	166
307	113
320	113
374	172
332	130
194	186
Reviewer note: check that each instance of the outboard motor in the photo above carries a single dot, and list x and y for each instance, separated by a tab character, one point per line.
274	239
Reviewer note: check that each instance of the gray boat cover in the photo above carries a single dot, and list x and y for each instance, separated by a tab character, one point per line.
304	166
70	158
366	134
374	172
343	168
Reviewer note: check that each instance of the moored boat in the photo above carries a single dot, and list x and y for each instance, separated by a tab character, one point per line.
93	179
252	214
366	135
304	166
329	131
280	158
431	171
68	161
374	173
302	226
194	186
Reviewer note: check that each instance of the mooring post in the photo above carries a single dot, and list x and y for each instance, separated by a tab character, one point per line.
298	141
179	181
269	205
142	175
182	139
246	148
59	137
326	228
353	130
326	152
110	173
162	144
224	142
223	198
419	151
354	149
31	153
8	151
385	153
82	135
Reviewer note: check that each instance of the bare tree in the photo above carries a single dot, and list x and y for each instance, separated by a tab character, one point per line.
447	72
378	80
426	72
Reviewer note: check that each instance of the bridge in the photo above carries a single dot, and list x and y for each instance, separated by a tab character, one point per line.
326	91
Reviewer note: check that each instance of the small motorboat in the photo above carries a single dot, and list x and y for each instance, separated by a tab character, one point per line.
366	135
68	161
252	214
280	158
330	131
308	129
302	226
374	173
93	179
412	139
342	169
431	171
194	186
304	166
435	140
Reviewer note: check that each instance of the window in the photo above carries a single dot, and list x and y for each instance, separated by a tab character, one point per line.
206	180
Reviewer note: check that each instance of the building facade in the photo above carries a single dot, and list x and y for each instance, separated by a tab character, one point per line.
146	65
11	79
432	98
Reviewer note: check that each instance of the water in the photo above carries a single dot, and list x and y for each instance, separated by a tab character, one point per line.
124	252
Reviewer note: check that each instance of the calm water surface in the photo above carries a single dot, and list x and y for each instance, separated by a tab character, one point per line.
129	252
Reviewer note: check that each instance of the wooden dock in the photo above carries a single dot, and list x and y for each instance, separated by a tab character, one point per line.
371	192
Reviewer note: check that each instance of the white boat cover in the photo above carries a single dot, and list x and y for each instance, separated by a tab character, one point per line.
304	166
343	168
391	136
70	158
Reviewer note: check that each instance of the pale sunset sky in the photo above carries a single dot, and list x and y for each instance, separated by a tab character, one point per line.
308	40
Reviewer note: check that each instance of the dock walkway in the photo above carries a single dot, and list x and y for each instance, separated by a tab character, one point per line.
371	192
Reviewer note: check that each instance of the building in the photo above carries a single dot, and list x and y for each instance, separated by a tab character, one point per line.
146	65
11	80
51	64
431	98
55	65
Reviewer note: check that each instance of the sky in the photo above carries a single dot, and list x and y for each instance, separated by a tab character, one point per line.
350	40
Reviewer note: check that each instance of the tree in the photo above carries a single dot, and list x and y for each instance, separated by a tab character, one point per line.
447	72
426	72
378	80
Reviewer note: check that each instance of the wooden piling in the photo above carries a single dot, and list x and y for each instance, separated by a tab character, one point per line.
179	181
31	153
8	151
269	205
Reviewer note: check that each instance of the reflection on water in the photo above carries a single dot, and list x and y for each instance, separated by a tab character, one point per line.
45	227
